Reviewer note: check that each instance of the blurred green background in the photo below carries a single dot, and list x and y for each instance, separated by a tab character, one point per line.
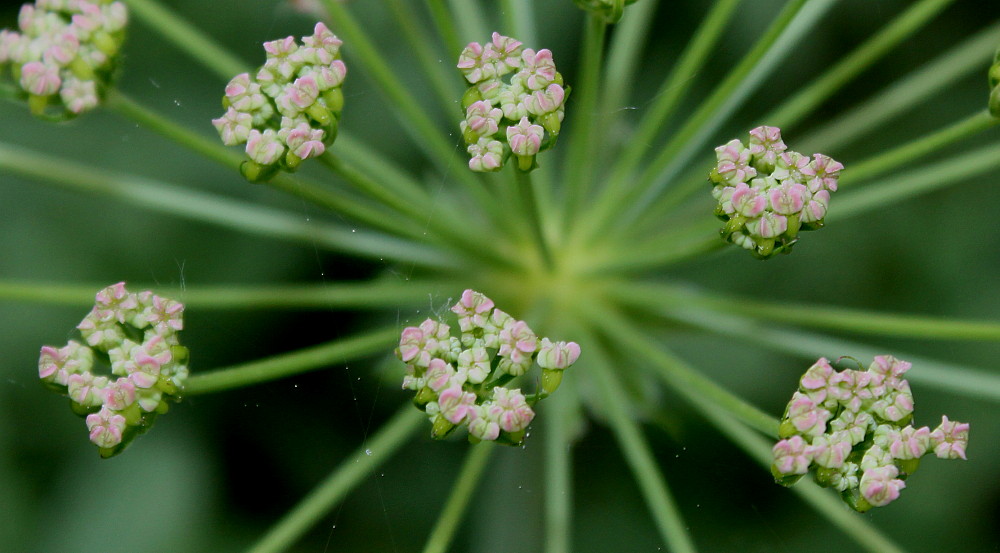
220	469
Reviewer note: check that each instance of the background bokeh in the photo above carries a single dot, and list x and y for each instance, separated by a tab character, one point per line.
219	469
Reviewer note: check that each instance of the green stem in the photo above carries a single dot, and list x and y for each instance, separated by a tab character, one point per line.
289	364
624	54
519	20
351	472
579	166
296	186
944	376
898	187
825	503
820	89
659	249
674	87
458	500
527	190
187	38
196	205
453	227
688	382
810	315
970	55
558	474
917	149
332	295
445	84
471	21
445	26
638	453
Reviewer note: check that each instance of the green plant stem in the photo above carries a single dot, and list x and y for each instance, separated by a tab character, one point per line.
624	53
674	87
583	136
290	364
918	149
820	89
810	315
527	190
970	55
689	383
445	84
233	214
659	249
823	501
892	190
445	25
332	295
296	186
351	472
519	20
187	38
558	473
458	499
613	206
453	227
943	376
638	453
471	21
425	132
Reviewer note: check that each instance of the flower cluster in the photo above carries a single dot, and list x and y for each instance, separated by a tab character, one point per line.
994	79
462	380
135	337
65	55
520	116
289	110
854	427
767	193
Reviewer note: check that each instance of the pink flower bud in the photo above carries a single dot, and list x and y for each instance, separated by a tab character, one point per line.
40	79
524	138
105	427
557	355
791	456
950	439
879	486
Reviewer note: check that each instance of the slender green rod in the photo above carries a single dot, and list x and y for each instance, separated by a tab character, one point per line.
446	29
624	55
674	87
823	501
579	166
293	363
459	498
519	19
296	186
943	376
528	198
453	228
331	295
347	476
898	187
195	205
972	54
439	70
187	38
472	24
810	315
688	382
822	88
638	453
558	472
917	150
